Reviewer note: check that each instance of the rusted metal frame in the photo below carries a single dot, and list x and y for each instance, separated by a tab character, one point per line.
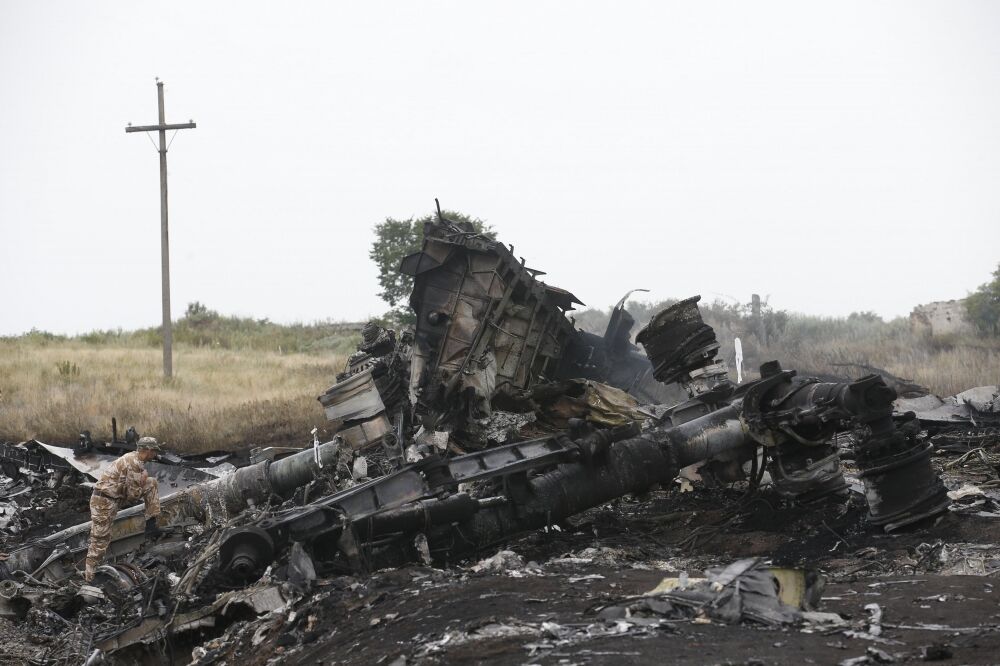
35	462
532	289
527	334
421	481
494	311
509	459
396	489
548	359
538	345
454	307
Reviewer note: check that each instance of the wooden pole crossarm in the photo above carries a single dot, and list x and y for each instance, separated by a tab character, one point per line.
161	127
157	128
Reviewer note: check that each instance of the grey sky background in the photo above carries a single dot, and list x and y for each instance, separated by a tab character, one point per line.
837	156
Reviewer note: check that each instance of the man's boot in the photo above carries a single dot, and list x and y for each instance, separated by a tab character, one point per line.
152	531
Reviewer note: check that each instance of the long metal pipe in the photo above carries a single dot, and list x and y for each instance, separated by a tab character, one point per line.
707	436
254	484
630	466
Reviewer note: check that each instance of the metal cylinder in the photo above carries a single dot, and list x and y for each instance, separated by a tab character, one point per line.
289	473
807	474
630	466
677	341
245	552
707	436
245	485
901	486
255	483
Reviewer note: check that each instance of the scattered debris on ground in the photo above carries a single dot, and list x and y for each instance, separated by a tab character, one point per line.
504	488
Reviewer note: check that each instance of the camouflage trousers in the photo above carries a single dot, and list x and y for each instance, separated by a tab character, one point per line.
102	515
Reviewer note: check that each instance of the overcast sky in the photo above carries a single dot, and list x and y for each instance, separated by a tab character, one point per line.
837	156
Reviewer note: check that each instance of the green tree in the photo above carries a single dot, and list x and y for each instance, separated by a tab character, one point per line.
983	306
197	313
394	239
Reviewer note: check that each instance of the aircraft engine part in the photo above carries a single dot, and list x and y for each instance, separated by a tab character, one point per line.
245	552
122	585
629	466
355	404
901	486
807	474
678	341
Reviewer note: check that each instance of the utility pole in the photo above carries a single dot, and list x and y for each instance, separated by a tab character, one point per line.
758	320
162	127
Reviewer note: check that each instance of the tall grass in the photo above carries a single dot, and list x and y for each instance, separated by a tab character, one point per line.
244	382
218	399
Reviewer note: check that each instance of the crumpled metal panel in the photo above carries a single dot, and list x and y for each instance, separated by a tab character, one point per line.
366	433
982	399
260	599
976	404
92	464
484	321
171	478
355	398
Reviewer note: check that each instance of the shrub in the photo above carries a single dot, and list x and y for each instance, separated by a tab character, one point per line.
983	306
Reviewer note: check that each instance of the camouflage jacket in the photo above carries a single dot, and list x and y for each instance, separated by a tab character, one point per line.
125	477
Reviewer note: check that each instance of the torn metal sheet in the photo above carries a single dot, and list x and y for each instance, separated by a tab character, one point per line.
259	599
744	590
219	470
92	464
353	399
170	478
982	399
978	406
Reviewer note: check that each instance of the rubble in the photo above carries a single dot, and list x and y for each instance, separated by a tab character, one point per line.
494	446
746	590
975	408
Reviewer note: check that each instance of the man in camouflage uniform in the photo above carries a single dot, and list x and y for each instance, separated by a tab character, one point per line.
125	482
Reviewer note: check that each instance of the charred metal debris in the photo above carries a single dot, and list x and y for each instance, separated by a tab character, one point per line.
491	417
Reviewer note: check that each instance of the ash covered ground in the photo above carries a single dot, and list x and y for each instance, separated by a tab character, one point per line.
545	597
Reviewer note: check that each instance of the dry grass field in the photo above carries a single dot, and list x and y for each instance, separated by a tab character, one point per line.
238	385
218	399
946	365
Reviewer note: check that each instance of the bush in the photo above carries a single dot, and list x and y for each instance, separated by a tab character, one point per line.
983	306
67	369
395	239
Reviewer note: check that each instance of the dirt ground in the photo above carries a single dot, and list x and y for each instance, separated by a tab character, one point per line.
479	601
550	596
932	584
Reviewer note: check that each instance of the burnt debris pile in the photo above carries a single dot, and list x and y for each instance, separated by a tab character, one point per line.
492	417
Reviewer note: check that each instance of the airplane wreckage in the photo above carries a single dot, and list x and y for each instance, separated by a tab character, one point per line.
492	417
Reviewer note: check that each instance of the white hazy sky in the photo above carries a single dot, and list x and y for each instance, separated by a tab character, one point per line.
837	156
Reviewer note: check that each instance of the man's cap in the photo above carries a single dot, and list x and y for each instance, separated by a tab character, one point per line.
148	443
